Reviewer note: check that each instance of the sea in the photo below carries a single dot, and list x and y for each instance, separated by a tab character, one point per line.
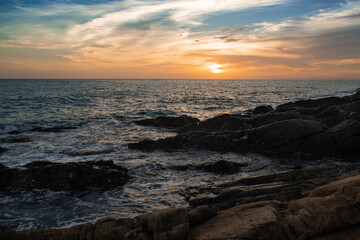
102	114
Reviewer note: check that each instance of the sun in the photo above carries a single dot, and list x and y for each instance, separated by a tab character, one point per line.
215	68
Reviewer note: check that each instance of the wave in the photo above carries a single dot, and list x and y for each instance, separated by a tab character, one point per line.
17	129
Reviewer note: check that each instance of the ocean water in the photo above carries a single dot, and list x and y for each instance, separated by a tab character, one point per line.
103	112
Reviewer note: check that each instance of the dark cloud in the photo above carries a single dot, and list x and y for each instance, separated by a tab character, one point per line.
232	36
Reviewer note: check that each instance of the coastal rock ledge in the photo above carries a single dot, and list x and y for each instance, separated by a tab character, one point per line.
63	176
309	129
330	211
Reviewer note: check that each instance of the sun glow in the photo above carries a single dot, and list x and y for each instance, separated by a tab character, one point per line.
215	68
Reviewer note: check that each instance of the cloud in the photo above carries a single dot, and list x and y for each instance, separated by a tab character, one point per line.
171	36
181	13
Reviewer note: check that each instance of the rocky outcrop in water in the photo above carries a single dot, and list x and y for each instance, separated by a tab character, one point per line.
328	127
221	167
330	211
282	186
3	149
15	140
63	176
56	129
168	122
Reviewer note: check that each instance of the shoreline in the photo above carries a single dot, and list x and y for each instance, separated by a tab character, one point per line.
329	210
325	127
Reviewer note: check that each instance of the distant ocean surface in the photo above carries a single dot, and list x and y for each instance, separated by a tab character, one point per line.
103	112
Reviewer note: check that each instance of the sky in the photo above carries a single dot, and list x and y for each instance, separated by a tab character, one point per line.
188	39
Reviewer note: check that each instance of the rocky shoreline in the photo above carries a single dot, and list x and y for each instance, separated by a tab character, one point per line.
330	211
308	129
319	203
63	176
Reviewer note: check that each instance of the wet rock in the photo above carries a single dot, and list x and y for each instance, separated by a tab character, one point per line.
65	176
168	224
168	122
329	212
113	228
53	129
15	140
222	166
236	122
283	186
3	150
5	177
88	152
308	129
304	218
280	138
263	109
347	139
201	214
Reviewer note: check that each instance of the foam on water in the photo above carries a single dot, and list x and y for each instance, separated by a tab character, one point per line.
103	111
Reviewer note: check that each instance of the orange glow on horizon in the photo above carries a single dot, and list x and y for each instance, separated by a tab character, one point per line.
215	68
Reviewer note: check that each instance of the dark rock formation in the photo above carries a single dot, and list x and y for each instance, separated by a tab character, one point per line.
53	129
263	109
335	209
328	127
222	167
88	152
3	149
15	140
328	212
64	176
283	186
168	122
47	129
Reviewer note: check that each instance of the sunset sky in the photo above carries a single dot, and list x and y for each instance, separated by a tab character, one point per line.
216	39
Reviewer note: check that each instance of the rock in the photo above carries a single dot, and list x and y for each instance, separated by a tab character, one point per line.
283	186
322	102
222	166
236	122
65	176
15	140
5	177
169	224
347	139
53	129
201	214
241	222
88	152
113	228
308	129
168	122
312	216
331	210
3	149
280	138
263	109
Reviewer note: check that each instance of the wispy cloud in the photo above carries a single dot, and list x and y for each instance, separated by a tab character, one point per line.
173	37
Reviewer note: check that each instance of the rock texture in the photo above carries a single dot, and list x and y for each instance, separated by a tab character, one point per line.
283	186
168	122
309	129
15	140
331	211
221	167
2	149
47	129
63	176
